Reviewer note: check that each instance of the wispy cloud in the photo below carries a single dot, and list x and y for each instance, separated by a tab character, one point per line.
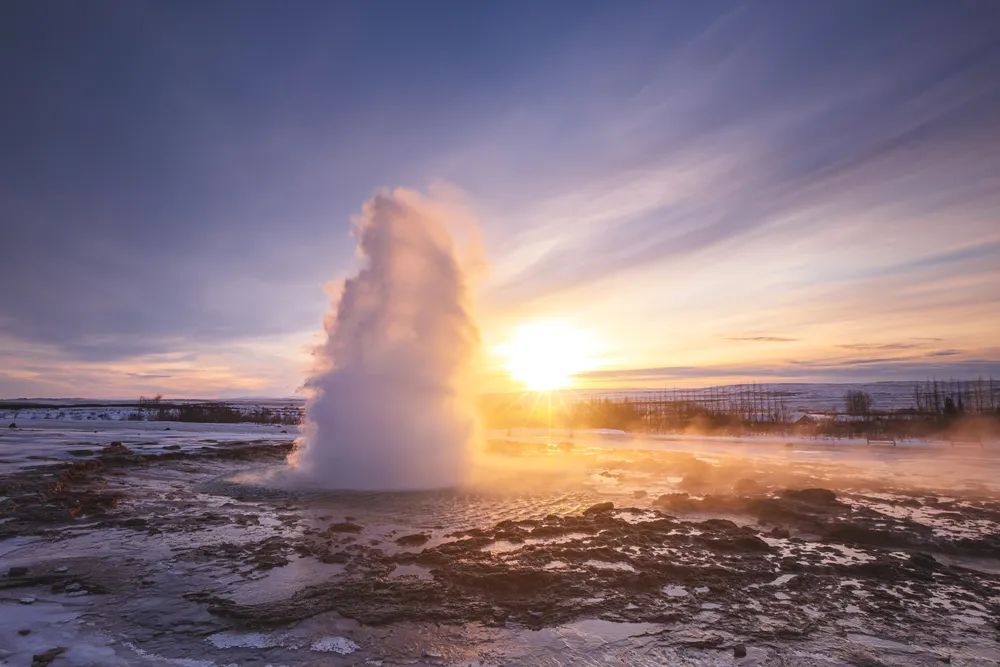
762	339
847	145
858	370
878	346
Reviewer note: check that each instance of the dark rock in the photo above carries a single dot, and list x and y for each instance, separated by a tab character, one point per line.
335	557
600	507
849	533
739	651
24	632
742	543
812	496
923	561
674	501
46	658
721	525
116	448
17	572
344	527
414	540
12	425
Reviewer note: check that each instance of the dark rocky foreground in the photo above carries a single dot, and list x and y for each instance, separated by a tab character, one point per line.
641	557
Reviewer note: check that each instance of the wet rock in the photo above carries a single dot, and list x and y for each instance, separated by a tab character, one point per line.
344	527
27	599
24	632
338	557
414	540
17	572
46	658
600	507
849	533
815	496
739	651
739	543
721	525
924	561
116	447
508	583
674	501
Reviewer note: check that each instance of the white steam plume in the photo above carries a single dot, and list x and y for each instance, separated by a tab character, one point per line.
390	408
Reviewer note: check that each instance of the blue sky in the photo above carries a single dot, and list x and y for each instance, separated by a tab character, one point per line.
719	191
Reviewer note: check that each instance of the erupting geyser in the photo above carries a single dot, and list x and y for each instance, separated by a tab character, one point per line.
389	408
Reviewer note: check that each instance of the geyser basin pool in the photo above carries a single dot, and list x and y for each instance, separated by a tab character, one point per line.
141	558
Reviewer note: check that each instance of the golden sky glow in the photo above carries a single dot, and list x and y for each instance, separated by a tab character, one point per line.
547	355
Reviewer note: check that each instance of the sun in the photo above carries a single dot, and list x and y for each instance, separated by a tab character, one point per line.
544	356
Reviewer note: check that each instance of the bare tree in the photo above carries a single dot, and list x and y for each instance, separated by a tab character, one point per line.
858	403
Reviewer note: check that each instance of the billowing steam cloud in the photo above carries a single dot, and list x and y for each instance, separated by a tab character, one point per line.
389	410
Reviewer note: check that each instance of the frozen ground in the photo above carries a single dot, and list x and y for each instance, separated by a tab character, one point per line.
46	440
138	545
804	397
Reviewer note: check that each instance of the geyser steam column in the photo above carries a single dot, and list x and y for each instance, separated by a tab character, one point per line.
389	409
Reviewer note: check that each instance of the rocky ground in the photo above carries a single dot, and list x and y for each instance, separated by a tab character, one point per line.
134	553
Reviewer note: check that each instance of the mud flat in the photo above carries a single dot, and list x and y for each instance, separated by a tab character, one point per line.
598	549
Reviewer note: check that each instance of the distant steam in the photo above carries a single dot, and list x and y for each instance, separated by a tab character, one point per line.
389	410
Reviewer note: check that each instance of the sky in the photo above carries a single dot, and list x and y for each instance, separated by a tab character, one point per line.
713	192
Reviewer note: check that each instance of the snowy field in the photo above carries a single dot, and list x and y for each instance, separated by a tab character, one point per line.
160	543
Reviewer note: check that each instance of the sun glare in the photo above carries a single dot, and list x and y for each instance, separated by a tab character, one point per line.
544	356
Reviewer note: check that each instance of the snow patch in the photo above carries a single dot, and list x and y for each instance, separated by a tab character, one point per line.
243	640
333	644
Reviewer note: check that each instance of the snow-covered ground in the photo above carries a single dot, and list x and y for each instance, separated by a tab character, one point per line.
45	440
705	559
